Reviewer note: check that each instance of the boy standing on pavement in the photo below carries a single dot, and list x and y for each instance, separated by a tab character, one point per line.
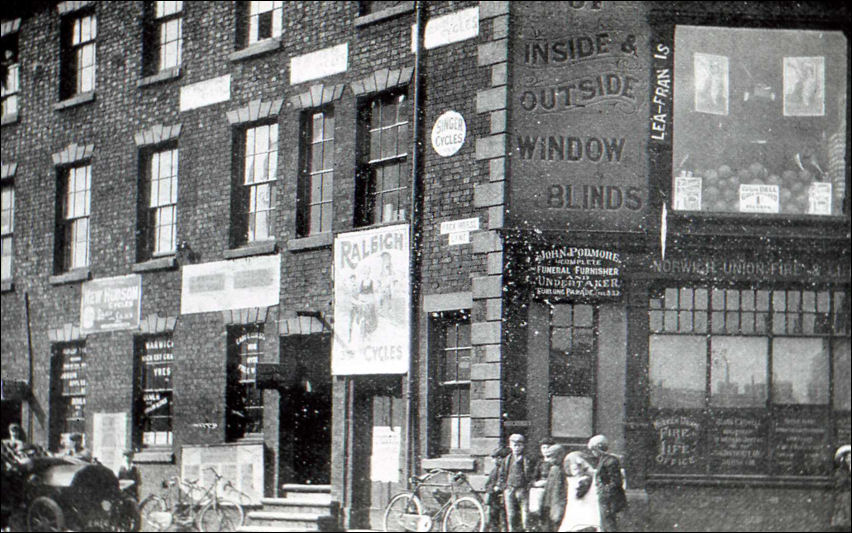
518	474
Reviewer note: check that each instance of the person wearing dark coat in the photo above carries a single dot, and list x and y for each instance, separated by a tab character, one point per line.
840	515
516	477
610	482
553	508
495	513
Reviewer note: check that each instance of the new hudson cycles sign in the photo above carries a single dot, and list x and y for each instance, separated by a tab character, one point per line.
580	115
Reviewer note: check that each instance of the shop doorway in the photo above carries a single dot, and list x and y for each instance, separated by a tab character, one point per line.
306	410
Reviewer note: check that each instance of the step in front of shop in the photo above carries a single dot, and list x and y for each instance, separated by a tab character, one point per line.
302	508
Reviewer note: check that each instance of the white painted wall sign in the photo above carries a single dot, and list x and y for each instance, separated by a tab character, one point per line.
319	64
235	284
204	93
462	237
448	29
448	133
456	226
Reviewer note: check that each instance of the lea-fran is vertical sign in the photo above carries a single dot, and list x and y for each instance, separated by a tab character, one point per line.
371	302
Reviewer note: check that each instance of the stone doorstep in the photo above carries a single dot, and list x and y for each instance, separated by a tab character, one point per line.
286	516
297	505
303	521
270	529
295	487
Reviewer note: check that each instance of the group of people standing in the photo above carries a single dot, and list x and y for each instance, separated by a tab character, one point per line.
577	491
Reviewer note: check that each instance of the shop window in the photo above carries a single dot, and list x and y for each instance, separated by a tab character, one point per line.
154	391
77	74
158	209
451	350
244	399
316	178
741	380
11	82
759	121
7	228
573	363
383	172
163	42
69	391
254	194
73	210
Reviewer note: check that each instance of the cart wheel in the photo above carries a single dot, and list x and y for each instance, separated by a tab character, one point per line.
45	515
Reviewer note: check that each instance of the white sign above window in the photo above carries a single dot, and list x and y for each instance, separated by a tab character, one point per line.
319	64
455	27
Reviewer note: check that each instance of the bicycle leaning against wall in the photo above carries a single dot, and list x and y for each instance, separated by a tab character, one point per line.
186	505
458	509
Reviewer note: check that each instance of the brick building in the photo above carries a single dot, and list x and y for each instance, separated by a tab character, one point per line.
197	198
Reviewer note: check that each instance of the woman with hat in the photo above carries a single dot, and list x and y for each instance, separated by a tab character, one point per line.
840	520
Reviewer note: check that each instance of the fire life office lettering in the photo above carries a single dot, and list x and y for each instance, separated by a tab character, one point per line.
677	440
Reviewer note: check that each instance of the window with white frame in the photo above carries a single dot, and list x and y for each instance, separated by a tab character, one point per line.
11	84
155	363
8	230
163	36
317	177
79	65
74	211
383	172
265	19
452	351
255	200
160	231
244	399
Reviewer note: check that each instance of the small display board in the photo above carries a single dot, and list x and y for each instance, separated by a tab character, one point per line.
576	273
738	442
800	442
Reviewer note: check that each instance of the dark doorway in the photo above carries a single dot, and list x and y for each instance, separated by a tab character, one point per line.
306	410
10	412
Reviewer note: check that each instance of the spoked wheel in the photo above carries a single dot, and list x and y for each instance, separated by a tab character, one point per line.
228	515
154	515
400	505
465	514
45	515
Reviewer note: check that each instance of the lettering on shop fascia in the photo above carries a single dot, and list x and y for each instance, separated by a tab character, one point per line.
661	97
782	268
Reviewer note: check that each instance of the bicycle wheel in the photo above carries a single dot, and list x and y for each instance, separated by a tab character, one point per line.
225	515
465	514
400	505
154	514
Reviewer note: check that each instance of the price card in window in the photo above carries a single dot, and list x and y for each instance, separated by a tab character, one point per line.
757	198
819	198
687	193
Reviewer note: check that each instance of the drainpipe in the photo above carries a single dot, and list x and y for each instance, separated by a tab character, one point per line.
414	246
30	372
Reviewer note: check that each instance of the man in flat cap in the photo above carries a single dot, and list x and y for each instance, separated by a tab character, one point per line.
516	476
610	482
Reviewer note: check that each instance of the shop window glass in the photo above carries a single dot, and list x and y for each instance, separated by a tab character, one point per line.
244	398
573	369
755	387
759	121
155	391
70	391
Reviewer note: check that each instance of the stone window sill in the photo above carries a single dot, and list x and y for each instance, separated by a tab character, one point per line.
256	49
7	286
463	463
401	9
75	100
163	455
10	118
72	276
255	248
320	240
158	263
164	75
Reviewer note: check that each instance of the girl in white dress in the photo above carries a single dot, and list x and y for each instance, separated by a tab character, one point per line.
582	512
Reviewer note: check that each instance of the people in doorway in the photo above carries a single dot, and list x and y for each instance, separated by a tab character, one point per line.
495	512
840	515
517	476
609	481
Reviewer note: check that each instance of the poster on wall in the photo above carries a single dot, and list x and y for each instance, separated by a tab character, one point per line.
241	464
111	304
804	86
109	436
384	462
711	83
371	302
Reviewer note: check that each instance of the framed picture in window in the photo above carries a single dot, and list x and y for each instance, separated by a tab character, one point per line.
804	86
711	83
